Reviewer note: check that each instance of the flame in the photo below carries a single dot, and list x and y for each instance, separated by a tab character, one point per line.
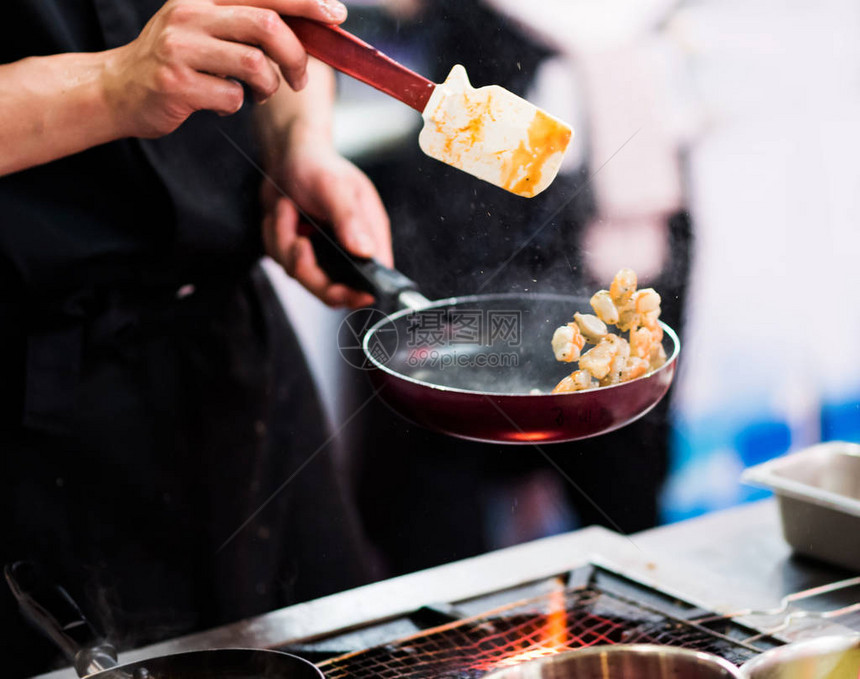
557	620
523	657
553	637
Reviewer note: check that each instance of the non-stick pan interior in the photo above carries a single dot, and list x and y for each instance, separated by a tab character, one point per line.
496	344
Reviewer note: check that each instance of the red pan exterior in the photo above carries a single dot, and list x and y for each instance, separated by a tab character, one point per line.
546	418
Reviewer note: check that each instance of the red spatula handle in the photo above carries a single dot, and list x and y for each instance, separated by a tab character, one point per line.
356	58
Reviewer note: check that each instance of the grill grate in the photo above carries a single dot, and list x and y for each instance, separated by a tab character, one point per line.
551	623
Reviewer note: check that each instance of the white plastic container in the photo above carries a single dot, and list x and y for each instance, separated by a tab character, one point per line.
818	490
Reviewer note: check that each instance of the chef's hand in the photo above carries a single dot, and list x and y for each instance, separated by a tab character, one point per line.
191	53
329	190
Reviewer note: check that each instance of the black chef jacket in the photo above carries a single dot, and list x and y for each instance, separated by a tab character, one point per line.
158	213
179	206
147	435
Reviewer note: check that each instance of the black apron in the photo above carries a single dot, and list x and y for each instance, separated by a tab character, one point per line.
154	403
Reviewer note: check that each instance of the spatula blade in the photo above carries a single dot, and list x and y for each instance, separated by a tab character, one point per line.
494	135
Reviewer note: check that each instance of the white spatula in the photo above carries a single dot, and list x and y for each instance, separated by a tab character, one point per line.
488	132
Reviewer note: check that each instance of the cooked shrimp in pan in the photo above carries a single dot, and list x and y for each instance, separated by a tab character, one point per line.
604	307
636	367
640	342
599	360
567	342
623	286
578	380
591	327
613	359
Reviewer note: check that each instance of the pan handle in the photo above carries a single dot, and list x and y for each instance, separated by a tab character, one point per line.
50	608
388	285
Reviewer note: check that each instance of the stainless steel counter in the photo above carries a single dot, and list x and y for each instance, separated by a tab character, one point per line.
723	562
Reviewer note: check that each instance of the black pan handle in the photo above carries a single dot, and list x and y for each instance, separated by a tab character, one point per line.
50	608
360	273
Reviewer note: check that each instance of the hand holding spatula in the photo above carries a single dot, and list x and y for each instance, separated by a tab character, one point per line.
488	132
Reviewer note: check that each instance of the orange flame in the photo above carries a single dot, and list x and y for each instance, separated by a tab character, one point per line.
553	637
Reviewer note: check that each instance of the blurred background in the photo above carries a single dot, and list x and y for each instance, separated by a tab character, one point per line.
717	153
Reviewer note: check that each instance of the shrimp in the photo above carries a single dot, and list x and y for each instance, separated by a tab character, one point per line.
613	359
598	360
619	360
623	286
636	367
645	339
628	318
646	301
567	343
655	328
616	370
641	340
578	380
591	327
643	308
604	307
657	357
622	346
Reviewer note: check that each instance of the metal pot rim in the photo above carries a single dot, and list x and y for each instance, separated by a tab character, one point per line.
799	650
616	649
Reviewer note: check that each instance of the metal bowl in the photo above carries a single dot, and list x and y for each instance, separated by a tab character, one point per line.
620	661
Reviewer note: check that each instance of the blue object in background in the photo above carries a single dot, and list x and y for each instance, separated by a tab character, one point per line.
763	440
759	442
709	454
841	421
705	467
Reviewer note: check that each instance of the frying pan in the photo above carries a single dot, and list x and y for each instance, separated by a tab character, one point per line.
50	608
467	366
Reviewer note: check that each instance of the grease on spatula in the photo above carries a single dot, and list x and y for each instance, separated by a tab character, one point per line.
524	169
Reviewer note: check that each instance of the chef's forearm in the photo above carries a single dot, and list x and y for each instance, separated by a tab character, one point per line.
298	116
52	107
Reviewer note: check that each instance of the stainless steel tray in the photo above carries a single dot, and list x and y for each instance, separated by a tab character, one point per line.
818	491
